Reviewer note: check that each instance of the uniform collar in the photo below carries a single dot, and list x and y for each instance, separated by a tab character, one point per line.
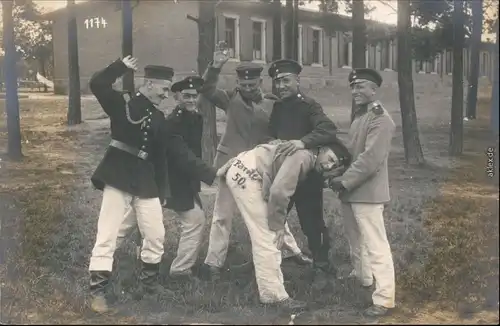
362	109
181	109
142	99
297	97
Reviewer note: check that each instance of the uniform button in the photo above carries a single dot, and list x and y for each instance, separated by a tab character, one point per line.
145	133
143	147
145	138
149	119
148	127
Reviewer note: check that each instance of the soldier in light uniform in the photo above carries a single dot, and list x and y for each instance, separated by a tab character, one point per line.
132	172
262	182
247	110
364	189
300	121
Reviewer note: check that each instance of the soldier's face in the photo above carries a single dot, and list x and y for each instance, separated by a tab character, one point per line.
363	92
188	97
287	86
249	88
326	160
157	90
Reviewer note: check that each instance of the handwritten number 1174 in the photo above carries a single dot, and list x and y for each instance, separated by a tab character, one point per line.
95	22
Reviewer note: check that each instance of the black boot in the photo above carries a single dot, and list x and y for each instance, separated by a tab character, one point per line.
99	282
149	281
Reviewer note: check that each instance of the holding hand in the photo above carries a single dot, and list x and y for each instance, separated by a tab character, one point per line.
130	62
336	185
221	54
274	142
223	170
290	147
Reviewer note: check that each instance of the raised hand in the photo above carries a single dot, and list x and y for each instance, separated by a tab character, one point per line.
221	54
130	62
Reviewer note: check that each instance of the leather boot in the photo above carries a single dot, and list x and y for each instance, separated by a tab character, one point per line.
99	282
149	280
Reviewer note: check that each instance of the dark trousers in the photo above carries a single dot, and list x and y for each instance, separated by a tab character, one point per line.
308	200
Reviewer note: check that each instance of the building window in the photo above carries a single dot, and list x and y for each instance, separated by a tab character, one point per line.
449	62
484	64
232	36
394	56
385	55
344	51
317	44
299	45
259	39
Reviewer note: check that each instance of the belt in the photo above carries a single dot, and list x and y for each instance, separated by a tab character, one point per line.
129	149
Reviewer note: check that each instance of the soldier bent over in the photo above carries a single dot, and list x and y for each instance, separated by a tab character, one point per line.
261	182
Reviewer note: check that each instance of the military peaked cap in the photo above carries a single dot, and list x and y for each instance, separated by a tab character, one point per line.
284	67
158	72
249	70
190	82
364	74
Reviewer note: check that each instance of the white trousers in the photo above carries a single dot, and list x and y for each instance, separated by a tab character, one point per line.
112	215
192	225
370	250
247	194
225	209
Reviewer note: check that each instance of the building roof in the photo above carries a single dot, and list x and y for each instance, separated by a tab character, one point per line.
375	29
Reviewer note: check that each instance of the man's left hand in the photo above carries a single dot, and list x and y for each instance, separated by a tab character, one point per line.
291	146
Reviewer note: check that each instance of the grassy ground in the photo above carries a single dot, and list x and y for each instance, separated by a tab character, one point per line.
442	224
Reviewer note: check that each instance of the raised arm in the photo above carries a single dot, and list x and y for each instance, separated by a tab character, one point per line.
217	96
323	129
101	85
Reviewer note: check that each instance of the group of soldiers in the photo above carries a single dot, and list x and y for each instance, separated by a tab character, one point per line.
276	152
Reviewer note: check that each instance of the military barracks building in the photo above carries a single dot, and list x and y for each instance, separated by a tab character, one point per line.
163	35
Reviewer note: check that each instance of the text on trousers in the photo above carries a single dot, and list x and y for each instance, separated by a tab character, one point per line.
250	173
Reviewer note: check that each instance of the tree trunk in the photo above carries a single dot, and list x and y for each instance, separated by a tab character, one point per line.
11	99
276	36
127	43
457	97
206	49
411	140
358	40
295	25
494	91
289	30
276	30
477	29
74	102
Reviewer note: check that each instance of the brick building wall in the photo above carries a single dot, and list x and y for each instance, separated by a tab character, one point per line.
163	35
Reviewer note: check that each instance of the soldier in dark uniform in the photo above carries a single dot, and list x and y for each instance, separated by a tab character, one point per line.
185	171
301	121
132	172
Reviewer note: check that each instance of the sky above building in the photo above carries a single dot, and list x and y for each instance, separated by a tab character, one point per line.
382	12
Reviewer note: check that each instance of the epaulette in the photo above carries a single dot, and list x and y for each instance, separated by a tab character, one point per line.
306	99
377	108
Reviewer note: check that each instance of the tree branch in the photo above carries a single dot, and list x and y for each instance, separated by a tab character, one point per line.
196	20
388	5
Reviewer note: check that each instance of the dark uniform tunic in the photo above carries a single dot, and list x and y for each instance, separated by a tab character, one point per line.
120	169
302	118
186	168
